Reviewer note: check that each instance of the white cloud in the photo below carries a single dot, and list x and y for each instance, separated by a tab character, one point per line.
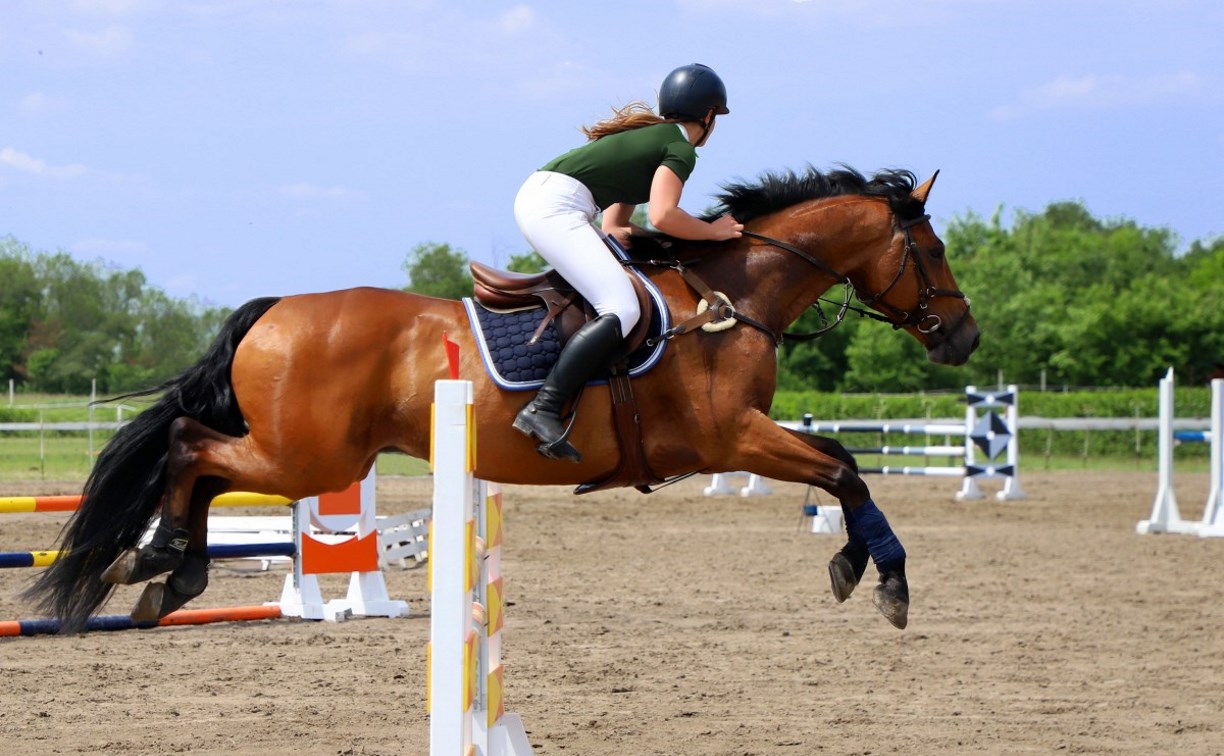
309	191
107	42
39	105
1102	92
517	19
27	164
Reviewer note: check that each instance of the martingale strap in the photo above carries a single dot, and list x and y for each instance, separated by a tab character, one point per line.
720	309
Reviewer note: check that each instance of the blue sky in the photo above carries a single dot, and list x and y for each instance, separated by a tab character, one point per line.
232	149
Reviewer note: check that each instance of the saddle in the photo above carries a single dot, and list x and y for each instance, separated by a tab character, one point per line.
567	310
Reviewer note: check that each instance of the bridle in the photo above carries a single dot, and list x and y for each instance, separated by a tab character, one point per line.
924	321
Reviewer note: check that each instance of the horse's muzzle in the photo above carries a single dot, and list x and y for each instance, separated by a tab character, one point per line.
954	344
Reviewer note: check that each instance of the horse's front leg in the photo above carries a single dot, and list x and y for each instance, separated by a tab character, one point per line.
774	452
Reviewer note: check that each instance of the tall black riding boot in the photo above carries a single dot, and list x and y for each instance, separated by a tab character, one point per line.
589	350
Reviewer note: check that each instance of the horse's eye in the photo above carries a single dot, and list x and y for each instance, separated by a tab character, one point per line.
937	253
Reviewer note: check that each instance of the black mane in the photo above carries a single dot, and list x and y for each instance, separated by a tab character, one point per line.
777	191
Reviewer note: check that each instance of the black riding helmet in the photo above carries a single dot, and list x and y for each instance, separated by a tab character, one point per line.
689	92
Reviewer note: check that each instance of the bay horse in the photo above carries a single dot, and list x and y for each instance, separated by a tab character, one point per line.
298	395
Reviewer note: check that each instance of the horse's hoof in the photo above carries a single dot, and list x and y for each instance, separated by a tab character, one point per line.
842	576
138	565
121	569
148	606
156	601
892	598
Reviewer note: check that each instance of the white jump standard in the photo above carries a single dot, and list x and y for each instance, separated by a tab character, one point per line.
1165	516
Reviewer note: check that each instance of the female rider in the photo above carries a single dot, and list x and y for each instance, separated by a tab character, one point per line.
634	157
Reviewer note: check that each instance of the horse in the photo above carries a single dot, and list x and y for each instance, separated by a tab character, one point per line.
299	394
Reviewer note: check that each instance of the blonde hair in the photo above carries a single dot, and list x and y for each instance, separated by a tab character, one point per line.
635	115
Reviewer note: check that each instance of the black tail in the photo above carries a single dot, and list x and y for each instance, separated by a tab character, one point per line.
125	487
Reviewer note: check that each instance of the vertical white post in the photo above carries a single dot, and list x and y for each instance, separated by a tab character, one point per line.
466	711
1165	517
301	595
1011	486
756	487
969	487
450	557
1213	510
42	443
720	484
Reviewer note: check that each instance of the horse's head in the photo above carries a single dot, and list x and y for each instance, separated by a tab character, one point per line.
873	235
913	287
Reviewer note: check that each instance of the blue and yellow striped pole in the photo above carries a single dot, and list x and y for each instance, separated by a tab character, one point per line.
14	559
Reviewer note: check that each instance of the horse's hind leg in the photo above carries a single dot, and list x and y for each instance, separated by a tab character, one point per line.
190	577
180	541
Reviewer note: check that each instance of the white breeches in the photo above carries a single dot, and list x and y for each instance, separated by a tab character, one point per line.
555	213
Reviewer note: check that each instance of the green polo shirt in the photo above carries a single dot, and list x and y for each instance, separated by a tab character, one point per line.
620	167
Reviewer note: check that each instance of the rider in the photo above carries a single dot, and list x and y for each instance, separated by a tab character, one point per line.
636	156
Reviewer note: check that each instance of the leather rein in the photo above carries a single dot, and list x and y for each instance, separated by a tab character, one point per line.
720	309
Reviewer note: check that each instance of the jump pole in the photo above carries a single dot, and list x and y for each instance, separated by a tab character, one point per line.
23	504
124	622
465	677
18	559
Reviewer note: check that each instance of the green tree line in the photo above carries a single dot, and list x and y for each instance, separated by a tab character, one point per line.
1059	295
66	323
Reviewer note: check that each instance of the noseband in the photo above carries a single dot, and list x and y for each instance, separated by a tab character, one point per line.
925	322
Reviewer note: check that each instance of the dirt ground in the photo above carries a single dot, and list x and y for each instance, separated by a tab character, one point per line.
679	624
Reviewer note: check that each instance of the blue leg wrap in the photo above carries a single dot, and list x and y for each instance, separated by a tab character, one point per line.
854	534
886	551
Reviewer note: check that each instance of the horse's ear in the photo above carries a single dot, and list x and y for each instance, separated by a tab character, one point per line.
924	189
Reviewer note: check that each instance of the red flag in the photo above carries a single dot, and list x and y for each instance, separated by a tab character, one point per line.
452	355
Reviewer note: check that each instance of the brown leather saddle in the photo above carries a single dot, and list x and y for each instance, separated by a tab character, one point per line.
568	311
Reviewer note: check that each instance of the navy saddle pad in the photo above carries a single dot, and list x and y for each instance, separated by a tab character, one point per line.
515	365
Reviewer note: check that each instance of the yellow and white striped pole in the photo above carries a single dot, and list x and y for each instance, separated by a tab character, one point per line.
466	610
450	632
